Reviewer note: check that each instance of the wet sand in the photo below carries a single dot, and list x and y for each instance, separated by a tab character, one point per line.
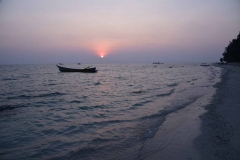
220	138
209	128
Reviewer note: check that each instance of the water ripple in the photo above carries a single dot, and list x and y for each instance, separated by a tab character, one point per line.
92	116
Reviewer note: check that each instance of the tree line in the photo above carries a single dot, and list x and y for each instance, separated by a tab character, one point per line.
232	51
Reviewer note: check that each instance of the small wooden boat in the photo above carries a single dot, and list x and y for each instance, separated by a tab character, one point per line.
85	70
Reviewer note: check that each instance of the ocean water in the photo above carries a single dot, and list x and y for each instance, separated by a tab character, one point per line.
46	114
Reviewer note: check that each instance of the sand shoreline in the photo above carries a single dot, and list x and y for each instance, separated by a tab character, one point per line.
209	128
175	137
220	137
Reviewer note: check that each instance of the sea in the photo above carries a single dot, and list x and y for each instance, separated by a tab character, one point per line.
48	114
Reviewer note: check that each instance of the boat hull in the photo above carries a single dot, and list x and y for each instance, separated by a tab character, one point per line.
85	70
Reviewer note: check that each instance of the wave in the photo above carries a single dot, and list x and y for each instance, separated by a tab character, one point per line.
108	122
136	105
37	96
82	153
75	130
10	107
160	116
85	108
75	101
166	94
91	107
50	94
173	85
97	83
9	79
100	140
137	91
151	131
50	84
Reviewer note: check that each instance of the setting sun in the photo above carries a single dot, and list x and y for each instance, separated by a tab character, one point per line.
102	56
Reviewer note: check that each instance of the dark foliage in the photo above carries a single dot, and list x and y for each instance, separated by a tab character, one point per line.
232	51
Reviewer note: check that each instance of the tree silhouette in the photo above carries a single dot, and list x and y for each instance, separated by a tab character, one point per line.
232	51
221	60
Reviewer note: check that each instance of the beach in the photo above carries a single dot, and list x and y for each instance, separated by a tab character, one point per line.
220	138
209	128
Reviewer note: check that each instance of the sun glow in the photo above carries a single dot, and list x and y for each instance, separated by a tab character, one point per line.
102	53
101	48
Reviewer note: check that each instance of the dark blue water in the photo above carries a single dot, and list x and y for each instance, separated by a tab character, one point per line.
46	114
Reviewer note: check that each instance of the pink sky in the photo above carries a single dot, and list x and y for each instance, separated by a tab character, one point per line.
123	31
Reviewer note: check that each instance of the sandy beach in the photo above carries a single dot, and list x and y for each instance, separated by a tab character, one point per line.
220	137
209	128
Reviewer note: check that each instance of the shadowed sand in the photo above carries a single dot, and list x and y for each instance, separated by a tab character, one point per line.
220	138
206	129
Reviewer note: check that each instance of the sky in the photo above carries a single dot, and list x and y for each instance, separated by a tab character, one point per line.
122	31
